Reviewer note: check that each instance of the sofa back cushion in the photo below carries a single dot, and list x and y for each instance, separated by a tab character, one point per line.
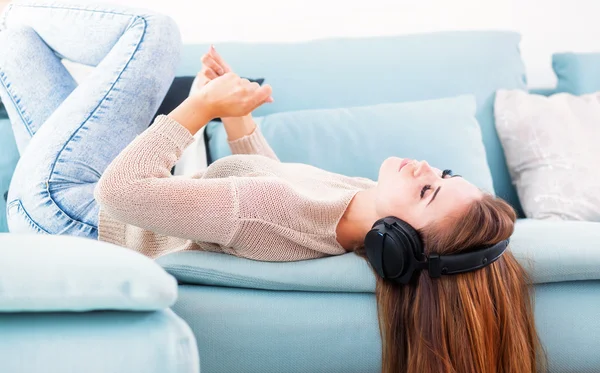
355	141
341	73
577	73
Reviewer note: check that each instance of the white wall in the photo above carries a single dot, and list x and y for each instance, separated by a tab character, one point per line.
547	26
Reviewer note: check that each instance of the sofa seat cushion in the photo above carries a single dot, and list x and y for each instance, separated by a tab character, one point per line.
260	331
551	251
558	251
41	273
344	273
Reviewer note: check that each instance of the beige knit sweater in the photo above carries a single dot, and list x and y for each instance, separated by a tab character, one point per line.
248	204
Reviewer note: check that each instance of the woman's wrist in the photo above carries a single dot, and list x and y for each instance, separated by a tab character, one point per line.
192	114
238	127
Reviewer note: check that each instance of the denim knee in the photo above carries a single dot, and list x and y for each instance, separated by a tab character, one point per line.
167	37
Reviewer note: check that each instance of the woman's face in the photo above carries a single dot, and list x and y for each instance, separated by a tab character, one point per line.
418	194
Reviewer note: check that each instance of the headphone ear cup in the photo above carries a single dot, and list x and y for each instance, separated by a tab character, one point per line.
395	256
374	247
393	247
412	237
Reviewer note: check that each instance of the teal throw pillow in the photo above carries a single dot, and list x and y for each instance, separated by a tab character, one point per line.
354	141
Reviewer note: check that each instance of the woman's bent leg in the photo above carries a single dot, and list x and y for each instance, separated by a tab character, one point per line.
135	54
34	81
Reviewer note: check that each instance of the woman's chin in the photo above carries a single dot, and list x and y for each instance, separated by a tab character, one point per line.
394	163
387	166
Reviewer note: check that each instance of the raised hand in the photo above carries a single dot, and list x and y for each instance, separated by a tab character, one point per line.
219	93
231	96
213	66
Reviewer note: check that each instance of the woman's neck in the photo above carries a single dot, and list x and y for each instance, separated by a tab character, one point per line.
357	220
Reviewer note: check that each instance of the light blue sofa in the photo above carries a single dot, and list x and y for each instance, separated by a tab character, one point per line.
320	315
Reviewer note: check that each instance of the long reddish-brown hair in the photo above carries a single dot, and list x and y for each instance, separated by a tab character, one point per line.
476	322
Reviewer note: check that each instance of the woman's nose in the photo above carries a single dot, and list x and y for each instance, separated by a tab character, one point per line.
423	169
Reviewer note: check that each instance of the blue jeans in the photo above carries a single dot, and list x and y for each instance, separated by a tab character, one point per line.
67	134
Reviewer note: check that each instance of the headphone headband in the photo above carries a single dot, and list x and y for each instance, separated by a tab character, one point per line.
465	262
395	251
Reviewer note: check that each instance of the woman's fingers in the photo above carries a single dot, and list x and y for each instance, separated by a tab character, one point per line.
217	57
209	62
209	73
214	65
260	96
255	87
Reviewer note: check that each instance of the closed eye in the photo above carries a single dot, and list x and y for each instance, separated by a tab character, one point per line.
448	173
425	189
444	174
434	195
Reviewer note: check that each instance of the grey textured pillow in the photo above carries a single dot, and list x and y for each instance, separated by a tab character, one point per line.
553	153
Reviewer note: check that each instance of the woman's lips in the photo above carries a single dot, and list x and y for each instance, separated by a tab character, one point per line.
404	162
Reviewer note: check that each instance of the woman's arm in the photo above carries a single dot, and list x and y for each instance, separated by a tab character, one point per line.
245	137
137	187
237	128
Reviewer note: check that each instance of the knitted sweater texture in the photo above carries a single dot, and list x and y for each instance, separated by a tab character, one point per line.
248	204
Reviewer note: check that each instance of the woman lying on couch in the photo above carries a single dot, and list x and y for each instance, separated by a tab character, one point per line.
450	297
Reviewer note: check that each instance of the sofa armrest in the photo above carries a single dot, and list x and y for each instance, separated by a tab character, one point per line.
42	273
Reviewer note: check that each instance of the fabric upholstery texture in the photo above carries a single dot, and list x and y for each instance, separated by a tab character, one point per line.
97	342
254	331
551	146
41	273
577	73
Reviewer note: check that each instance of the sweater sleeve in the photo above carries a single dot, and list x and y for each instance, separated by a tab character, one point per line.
137	188
254	143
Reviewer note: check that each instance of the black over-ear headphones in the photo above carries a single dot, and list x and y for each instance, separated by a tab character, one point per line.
395	251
